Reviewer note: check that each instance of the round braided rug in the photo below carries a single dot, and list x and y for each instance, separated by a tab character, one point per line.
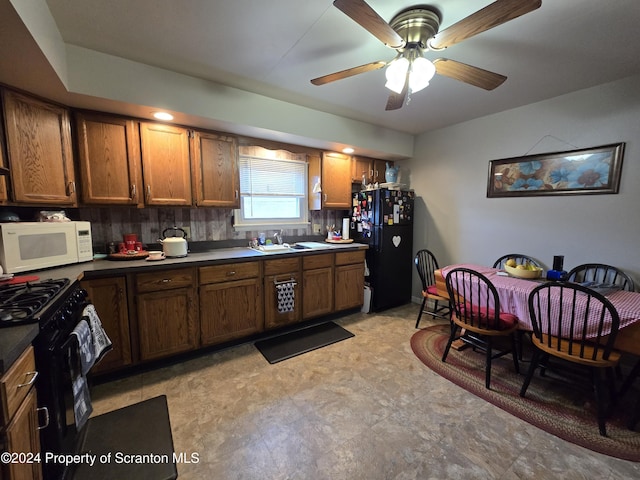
560	403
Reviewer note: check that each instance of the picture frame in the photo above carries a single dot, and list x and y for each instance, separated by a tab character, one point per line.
594	170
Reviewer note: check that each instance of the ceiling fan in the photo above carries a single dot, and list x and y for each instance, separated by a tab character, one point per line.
414	31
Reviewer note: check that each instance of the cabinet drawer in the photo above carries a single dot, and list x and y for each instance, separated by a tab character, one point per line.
229	272
150	282
346	258
281	265
317	261
16	383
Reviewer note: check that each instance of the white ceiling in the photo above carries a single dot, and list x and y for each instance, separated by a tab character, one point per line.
275	47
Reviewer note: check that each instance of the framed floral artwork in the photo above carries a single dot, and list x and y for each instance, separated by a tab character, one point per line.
587	171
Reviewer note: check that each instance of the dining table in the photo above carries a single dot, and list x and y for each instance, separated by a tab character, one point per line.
513	293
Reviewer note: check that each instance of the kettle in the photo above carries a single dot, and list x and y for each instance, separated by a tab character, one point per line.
174	246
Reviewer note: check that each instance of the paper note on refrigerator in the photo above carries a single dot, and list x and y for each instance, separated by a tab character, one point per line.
396	213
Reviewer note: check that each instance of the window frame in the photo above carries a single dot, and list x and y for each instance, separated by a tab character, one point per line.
241	223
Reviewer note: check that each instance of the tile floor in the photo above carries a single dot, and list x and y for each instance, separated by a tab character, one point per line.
364	408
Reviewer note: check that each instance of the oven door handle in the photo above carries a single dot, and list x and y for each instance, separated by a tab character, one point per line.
34	375
46	417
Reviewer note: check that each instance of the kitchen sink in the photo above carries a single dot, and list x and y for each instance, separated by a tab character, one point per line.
285	247
314	245
271	249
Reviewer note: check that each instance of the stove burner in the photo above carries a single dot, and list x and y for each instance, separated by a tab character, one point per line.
19	304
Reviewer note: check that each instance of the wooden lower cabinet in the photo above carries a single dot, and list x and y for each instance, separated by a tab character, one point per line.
109	296
282	270
19	404
167	313
317	285
231	304
349	280
23	437
161	313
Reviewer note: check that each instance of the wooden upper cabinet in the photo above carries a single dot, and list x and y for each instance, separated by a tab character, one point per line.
361	167
374	170
379	171
332	172
3	164
109	160
216	176
39	150
165	164
336	180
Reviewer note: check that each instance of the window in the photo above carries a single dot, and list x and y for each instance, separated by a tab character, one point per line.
273	193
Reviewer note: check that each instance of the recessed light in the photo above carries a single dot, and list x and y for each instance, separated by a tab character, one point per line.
163	116
348	150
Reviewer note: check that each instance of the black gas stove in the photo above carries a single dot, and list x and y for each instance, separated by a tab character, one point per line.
25	303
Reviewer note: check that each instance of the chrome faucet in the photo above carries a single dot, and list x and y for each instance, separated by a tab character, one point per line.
278	237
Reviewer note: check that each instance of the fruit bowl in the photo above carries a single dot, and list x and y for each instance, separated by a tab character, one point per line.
522	273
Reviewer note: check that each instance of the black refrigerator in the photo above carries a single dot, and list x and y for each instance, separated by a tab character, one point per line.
383	219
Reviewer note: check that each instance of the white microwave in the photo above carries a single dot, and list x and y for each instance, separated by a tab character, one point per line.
27	246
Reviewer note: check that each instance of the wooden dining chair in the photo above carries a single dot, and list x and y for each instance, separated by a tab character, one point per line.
476	312
575	324
518	257
426	264
601	273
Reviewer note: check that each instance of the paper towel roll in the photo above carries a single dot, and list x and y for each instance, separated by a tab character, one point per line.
345	228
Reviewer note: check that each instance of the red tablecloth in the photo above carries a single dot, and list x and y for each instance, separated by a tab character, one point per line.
514	293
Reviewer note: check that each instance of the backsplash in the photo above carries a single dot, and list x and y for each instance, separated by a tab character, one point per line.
206	224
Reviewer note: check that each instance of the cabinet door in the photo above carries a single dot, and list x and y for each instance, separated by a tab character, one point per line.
23	437
272	317
3	165
216	176
109	159
336	181
109	297
349	291
361	167
166	322
39	151
230	310
379	170
317	292
165	164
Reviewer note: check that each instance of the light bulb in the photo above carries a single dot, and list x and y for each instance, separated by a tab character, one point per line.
422	70
397	74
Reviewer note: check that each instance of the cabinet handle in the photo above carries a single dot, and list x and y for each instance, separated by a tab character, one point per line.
34	375
237	194
231	273
165	280
148	191
72	188
134	191
46	417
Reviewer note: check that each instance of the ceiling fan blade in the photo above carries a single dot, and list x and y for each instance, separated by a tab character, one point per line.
468	74
349	72
367	18
497	13
396	100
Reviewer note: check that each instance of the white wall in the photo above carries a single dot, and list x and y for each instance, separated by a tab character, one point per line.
456	220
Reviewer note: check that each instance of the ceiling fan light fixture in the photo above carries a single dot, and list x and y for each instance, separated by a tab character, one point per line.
397	74
421	73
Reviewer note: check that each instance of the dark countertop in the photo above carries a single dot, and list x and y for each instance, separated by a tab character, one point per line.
14	340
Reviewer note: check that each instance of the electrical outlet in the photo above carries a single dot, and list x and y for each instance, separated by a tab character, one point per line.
317	228
187	230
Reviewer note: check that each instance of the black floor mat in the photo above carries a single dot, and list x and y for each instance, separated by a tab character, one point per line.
301	341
